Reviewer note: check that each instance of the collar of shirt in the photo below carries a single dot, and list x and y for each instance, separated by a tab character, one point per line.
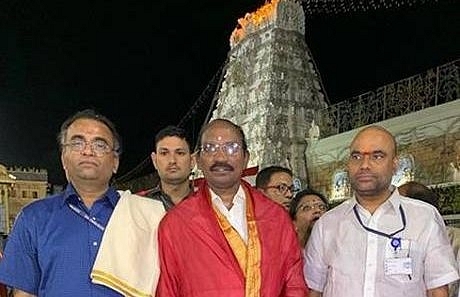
71	195
157	188
154	191
393	201
238	199
235	215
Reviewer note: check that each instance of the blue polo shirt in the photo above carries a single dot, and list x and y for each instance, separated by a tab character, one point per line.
52	248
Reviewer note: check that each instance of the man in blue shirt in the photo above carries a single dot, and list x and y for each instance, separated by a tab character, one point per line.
54	242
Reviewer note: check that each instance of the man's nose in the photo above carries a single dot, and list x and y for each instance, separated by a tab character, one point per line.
288	194
88	149
220	154
365	161
172	159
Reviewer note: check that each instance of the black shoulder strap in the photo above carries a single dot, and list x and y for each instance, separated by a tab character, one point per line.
157	194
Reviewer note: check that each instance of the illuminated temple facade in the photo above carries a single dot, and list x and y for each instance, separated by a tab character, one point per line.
270	86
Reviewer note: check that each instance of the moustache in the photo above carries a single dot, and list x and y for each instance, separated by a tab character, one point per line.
220	165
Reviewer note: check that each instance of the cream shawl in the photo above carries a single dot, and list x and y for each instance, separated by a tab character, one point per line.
127	260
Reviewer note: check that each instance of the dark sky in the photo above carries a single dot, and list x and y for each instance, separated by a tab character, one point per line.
145	63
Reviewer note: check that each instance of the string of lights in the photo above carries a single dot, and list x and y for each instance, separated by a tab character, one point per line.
208	92
331	7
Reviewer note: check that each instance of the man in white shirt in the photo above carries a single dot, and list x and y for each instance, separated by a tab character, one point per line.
379	243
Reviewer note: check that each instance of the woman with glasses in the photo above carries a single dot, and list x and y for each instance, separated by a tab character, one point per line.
305	209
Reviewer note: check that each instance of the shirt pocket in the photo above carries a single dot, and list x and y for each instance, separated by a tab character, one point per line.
415	253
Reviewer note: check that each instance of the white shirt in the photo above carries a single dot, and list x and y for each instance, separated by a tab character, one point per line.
454	236
236	215
344	259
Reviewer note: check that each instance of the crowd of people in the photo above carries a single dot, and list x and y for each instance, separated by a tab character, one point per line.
224	236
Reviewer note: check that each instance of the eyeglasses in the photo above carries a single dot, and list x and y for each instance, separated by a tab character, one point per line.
98	146
374	157
229	148
282	188
308	207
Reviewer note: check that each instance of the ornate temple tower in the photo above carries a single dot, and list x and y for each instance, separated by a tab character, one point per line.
271	87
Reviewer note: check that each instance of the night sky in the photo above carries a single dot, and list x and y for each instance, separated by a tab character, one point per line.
145	63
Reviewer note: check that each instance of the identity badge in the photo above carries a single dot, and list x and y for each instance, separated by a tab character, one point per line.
398	266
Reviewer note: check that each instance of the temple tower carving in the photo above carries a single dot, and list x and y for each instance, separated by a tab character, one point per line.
271	87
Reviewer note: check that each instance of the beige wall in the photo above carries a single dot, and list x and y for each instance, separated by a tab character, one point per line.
16	194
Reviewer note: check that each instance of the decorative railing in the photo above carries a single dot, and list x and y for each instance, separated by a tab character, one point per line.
436	86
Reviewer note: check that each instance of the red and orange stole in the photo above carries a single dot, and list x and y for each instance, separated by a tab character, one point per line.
249	255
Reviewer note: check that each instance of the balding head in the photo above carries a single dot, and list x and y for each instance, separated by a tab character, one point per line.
378	130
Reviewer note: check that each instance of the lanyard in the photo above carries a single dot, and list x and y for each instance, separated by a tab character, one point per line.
397	241
85	216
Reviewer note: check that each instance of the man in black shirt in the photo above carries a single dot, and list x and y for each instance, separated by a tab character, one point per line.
174	161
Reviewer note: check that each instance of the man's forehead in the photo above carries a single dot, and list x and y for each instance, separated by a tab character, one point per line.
220	134
172	145
169	141
88	127
370	148
281	176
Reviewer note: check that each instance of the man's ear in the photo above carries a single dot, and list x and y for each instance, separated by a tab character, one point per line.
115	166
153	156
193	160
63	162
198	162
246	159
395	164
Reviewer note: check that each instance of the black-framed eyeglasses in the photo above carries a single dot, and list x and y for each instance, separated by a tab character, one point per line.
282	188
229	148
98	146
308	207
